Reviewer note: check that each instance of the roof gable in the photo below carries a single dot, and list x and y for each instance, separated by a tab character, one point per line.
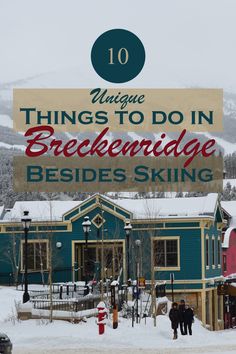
230	208
94	201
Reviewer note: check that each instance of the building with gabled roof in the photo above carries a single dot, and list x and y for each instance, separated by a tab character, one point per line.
229	262
229	238
178	236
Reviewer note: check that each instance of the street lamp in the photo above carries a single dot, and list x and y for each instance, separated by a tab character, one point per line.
128	229
26	225
86	227
138	245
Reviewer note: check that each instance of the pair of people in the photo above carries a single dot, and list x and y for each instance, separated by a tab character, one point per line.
183	315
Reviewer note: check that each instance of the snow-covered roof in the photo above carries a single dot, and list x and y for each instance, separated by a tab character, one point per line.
230	208
140	208
40	210
227	234
170	207
231	276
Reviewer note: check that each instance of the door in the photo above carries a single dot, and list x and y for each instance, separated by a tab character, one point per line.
112	259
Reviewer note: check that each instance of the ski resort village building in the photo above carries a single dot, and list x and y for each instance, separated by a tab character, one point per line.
229	238
229	262
178	238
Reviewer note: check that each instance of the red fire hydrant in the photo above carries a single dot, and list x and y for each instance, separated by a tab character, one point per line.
102	311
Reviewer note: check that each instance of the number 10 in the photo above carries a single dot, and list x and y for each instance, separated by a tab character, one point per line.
121	60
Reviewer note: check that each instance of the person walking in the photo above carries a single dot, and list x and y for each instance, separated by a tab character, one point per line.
188	319
175	318
181	317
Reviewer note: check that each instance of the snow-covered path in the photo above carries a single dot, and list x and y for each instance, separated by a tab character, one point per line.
41	337
203	350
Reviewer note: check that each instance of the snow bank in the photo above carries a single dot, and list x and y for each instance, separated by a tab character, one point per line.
33	335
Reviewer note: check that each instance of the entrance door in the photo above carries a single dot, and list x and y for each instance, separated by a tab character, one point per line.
112	258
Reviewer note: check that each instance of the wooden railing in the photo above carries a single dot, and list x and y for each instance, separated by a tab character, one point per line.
70	305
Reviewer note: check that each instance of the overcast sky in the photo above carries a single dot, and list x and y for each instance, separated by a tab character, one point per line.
187	42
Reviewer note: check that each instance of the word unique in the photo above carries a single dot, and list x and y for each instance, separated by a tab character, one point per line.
101	96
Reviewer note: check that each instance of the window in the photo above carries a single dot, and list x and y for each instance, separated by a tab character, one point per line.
213	250
207	252
166	253
224	263
37	256
98	220
219	251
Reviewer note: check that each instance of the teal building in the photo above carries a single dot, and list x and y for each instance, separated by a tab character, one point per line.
170	237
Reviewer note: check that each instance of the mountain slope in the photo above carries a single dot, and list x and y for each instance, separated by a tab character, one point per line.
69	78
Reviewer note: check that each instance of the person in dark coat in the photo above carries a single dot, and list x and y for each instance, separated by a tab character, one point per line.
181	317
175	319
188	319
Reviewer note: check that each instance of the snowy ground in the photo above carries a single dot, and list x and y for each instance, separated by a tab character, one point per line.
40	337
